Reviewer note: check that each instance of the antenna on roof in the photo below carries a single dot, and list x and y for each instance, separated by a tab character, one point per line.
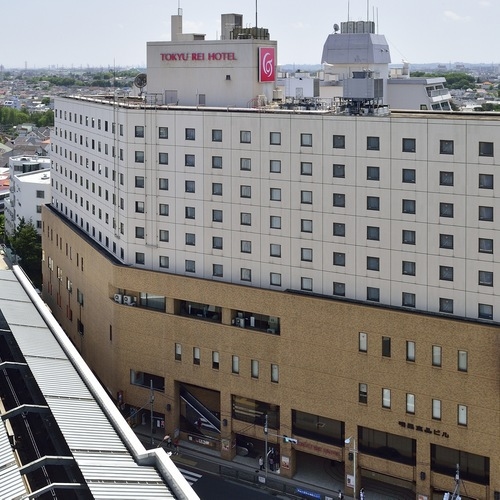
256	24
348	10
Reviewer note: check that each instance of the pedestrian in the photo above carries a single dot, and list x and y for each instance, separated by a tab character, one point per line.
271	462
340	494
362	494
169	442
261	463
176	446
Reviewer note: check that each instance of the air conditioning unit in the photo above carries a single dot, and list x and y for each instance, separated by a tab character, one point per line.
128	299
118	298
240	322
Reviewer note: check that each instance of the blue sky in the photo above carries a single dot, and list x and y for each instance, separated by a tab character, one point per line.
103	33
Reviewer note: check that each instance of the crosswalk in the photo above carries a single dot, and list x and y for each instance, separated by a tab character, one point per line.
190	476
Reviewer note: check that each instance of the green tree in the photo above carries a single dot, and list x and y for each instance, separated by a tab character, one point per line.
27	245
2	228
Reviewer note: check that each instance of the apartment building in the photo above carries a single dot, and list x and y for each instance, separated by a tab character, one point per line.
322	273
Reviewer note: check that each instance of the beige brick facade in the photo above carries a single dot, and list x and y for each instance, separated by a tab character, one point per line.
317	351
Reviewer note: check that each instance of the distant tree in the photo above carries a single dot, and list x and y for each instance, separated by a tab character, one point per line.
27	245
2	228
46	100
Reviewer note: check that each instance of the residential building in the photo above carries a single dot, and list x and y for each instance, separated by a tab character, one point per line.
322	273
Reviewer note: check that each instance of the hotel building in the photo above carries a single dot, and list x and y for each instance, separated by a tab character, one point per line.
325	267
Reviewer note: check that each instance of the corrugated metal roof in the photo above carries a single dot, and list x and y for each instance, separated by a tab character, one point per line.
108	467
11	482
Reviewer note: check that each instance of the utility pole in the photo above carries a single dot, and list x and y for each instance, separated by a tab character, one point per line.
151	401
265	433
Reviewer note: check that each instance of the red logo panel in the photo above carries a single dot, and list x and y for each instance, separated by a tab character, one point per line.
267	64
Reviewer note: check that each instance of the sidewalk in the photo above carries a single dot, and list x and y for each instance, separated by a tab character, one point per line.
311	477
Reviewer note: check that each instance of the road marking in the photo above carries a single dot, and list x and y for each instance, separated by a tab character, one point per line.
191	477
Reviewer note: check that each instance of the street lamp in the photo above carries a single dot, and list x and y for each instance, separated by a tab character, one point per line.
355	459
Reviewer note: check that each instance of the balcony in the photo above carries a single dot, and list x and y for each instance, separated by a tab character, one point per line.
254	321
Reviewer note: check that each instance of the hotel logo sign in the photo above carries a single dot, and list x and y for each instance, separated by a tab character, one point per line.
267	64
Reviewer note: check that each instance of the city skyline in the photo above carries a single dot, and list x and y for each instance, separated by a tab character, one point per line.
106	36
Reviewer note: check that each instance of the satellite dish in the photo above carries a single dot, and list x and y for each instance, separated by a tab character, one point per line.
336	27
140	80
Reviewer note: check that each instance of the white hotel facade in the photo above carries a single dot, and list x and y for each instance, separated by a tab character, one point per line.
207	178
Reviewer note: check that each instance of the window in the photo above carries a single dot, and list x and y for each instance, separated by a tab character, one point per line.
217	270
462	361
373	233
446	147
245	219
306	225
164	261
338	171
363	342
409	175
446	241
409	268
163	184
446	209
306	168
216	161
373	143
139	157
446	305
485	311
217	215
190	134
215	360
373	263
275	373
189	160
408	237
196	355
217	242
139	232
339	289
275	194
275	250
373	173
306	254
486	278
275	279
446	273
436	355
163	158
162	132
275	166
275	222
363	393
217	188
339	200
245	274
139	207
245	164
386	347
386	398
246	246
372	203
410	350
446	178
245	136
190	266
306	284
436	409
410	403
486	213
408	299
485	149
163	235
190	239
254	368
373	294
409	206
462	415
139	131
485	181
139	258
235	364
190	212
275	138
339	259
245	191
306	140
339	229
178	352
339	142
306	197
139	181
216	135
409	145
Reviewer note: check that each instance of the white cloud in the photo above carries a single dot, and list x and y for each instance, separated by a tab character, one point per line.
453	16
485	3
